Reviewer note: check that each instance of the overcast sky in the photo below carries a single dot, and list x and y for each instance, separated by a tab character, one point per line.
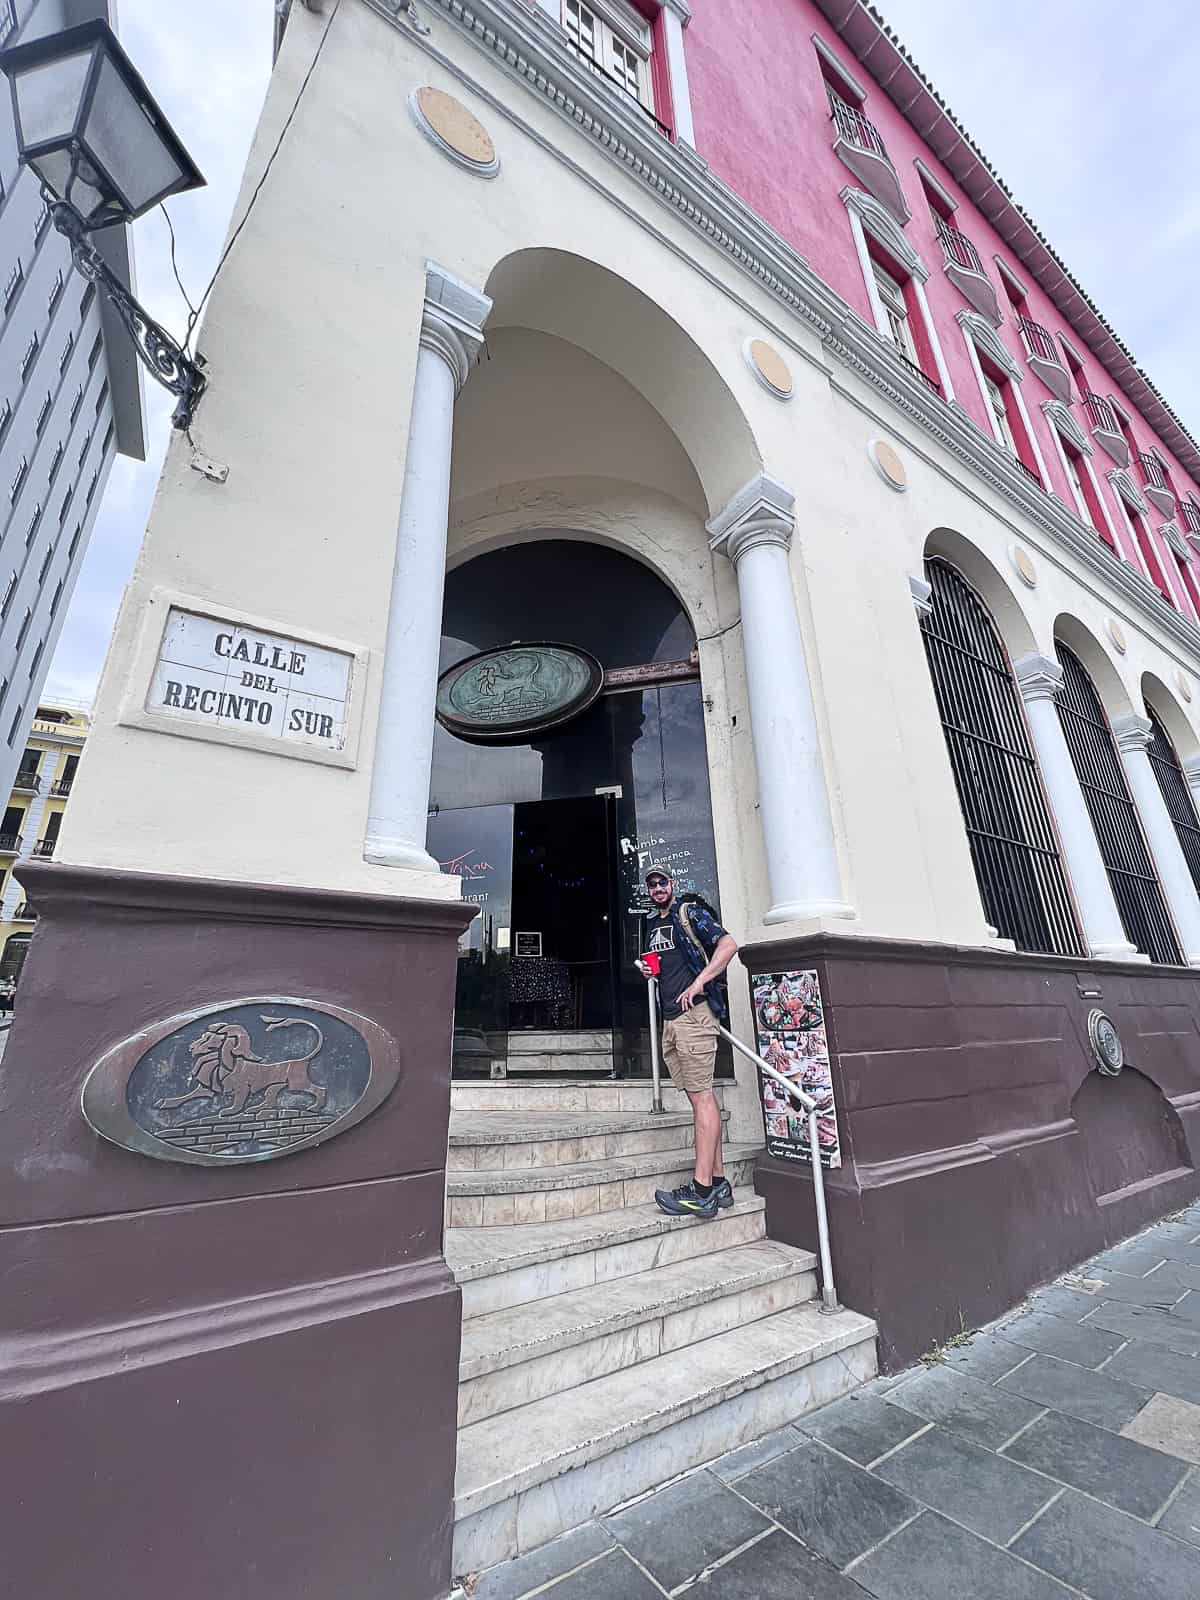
1086	108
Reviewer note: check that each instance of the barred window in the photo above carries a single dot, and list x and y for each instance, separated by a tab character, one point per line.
1177	797
1021	877
1124	851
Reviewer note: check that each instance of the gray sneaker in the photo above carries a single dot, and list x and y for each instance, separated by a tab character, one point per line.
723	1191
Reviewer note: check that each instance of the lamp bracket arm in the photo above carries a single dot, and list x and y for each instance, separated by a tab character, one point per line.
166	359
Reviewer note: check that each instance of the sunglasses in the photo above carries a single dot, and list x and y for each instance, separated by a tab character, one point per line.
657	883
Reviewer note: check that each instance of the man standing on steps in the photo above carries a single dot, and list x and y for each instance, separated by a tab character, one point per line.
693	950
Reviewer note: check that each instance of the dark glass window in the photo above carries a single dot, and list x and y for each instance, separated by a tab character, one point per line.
1013	845
1126	857
1176	795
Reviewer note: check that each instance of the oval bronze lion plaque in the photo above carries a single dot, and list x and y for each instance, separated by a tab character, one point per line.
512	693
246	1081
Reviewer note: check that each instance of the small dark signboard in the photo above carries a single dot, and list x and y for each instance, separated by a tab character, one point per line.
789	1023
527	944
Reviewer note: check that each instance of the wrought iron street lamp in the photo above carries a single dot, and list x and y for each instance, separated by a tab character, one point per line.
89	128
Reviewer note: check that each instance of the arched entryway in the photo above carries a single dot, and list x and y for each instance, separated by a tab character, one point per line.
552	831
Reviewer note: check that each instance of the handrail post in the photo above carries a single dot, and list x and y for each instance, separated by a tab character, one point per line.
829	1299
656	1100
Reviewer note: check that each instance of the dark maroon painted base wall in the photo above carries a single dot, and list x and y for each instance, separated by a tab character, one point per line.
237	1381
982	1152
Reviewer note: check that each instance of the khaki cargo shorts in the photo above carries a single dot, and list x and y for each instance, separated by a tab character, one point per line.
690	1048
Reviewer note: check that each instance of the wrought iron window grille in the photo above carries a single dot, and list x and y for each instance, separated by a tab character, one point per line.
1021	878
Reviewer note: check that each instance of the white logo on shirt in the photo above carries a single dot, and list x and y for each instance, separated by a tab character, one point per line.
662	939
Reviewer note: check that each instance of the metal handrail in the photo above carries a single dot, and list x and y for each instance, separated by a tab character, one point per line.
829	1299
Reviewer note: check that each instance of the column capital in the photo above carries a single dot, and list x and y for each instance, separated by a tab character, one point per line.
1038	677
1132	732
762	512
922	595
452	320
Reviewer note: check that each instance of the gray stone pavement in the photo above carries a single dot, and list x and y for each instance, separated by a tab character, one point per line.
1055	1454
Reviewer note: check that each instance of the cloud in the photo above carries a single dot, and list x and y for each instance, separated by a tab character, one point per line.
207	65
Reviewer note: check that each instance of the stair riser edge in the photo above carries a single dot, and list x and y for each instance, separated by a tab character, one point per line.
516	1286
505	1094
513	1156
538	1514
517	1206
616	1350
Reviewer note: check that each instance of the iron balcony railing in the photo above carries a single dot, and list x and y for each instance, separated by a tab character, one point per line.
61	788
10	843
25	913
959	248
28	779
1100	413
1191	515
611	77
1028	471
44	847
854	127
918	371
1152	470
1038	341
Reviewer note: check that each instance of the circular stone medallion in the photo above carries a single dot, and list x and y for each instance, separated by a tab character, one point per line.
1117	634
1183	683
887	463
455	130
769	367
1023	562
1106	1044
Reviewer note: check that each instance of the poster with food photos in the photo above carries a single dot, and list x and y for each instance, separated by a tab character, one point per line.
789	1021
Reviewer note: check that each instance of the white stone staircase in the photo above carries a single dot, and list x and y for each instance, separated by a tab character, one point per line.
608	1347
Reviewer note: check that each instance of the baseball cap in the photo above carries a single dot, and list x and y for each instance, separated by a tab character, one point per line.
658	871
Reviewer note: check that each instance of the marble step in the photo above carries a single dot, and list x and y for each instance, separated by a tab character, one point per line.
502	1138
500	1267
541	1042
500	1197
566	1094
565	1061
529	1474
512	1357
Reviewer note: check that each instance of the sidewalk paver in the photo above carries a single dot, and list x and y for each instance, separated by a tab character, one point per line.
1049	1457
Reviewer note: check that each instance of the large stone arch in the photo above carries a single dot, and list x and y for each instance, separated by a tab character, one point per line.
1014	627
1082	642
1170	713
576	300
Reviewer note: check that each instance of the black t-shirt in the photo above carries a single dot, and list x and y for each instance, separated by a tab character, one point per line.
674	972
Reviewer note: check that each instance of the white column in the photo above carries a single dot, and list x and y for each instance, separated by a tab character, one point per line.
1040	679
755	532
451	333
1132	734
676	16
935	344
859	235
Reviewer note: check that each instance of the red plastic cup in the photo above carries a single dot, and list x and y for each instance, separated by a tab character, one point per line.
650	961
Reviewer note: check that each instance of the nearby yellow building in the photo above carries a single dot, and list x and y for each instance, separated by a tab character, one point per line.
39	797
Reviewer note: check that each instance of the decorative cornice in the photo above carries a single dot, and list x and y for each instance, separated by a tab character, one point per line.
528	47
1132	732
880	223
922	595
986	337
1128	490
1038	677
1064	419
761	513
452	320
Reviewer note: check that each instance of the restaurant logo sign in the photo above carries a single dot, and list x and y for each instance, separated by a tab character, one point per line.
247	1081
507	695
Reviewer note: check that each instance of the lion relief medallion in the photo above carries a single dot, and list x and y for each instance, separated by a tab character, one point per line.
246	1081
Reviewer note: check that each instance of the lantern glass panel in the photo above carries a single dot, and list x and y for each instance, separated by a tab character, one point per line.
126	144
48	98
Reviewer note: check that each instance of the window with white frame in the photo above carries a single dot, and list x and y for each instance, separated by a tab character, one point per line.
895	309
614	41
999	405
